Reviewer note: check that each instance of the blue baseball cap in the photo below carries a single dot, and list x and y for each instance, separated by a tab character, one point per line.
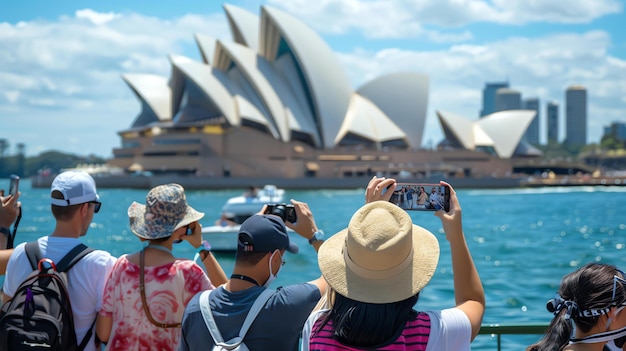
264	233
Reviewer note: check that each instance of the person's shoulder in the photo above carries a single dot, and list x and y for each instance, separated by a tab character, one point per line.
186	264
306	292
304	287
194	303
449	315
18	250
100	258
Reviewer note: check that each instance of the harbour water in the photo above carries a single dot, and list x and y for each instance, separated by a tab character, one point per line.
522	240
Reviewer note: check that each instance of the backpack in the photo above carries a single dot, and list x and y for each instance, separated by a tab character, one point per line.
39	316
236	343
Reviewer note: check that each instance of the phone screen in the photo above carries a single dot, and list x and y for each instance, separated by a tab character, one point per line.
14	184
421	197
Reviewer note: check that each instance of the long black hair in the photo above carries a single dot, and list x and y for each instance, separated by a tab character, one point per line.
362	324
588	288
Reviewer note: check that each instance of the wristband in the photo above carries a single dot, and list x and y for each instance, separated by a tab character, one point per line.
205	246
317	236
5	231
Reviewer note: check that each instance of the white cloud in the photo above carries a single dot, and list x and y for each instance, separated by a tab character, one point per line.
62	78
414	18
540	67
96	17
63	73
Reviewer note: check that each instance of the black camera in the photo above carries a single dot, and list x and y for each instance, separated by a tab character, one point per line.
285	211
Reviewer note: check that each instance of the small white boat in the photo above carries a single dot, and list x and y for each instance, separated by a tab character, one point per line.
221	238
237	209
224	239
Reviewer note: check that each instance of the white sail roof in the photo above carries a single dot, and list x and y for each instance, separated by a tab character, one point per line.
501	130
369	122
154	93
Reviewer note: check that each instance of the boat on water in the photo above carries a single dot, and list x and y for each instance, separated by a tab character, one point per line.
222	235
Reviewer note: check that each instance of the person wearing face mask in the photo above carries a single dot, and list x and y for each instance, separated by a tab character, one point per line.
588	311
262	245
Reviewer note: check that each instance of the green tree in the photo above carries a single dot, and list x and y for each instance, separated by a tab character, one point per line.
21	158
4	145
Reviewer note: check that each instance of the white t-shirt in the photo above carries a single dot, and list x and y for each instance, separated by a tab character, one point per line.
450	329
86	280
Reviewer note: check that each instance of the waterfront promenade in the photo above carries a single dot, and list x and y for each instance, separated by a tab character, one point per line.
213	183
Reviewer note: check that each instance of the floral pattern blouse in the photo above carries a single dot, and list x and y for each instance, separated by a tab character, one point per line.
168	290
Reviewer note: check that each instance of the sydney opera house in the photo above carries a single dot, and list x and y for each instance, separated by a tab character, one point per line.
276	102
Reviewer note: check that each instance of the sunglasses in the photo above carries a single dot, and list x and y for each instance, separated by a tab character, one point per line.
97	206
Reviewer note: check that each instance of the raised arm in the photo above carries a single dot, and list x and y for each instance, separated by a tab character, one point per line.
305	226
9	210
468	289
212	266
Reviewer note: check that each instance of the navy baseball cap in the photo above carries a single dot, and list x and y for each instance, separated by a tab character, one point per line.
264	233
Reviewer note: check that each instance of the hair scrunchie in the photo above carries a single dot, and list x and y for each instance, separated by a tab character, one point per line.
556	304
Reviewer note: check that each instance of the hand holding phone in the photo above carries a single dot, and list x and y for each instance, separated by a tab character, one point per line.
421	197
285	211
14	185
190	230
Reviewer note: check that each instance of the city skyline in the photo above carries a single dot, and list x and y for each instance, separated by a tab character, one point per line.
555	126
61	64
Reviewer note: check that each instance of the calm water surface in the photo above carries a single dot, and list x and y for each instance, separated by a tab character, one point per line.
523	241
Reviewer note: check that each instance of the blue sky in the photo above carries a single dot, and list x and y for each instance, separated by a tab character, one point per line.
61	61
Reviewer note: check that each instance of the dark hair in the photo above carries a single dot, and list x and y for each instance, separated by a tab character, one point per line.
361	324
590	287
63	213
160	240
249	258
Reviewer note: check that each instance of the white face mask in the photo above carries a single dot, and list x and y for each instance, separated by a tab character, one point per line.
273	276
606	336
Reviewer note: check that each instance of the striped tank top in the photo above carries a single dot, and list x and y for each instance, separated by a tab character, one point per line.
414	337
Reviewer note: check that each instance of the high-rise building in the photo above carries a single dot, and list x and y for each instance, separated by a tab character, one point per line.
552	118
616	130
576	115
532	133
508	99
489	97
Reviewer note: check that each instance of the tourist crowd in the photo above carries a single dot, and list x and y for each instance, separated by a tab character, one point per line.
372	273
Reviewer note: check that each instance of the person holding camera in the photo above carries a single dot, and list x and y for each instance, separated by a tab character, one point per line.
9	209
262	244
150	313
74	203
377	267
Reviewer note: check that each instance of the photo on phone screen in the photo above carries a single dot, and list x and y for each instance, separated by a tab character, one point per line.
421	197
14	184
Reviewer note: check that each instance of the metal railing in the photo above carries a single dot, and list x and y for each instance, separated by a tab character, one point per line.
515	329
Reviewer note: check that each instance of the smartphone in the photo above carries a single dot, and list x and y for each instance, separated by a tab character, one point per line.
14	185
421	196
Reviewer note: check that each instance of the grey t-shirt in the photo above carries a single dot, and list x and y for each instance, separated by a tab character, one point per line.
277	327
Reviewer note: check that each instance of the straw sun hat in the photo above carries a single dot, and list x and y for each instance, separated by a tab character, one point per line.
165	211
381	257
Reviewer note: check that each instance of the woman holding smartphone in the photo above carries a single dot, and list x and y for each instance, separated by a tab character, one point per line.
147	291
376	269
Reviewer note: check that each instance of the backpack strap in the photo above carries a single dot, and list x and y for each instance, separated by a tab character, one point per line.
68	261
71	258
205	309
33	253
